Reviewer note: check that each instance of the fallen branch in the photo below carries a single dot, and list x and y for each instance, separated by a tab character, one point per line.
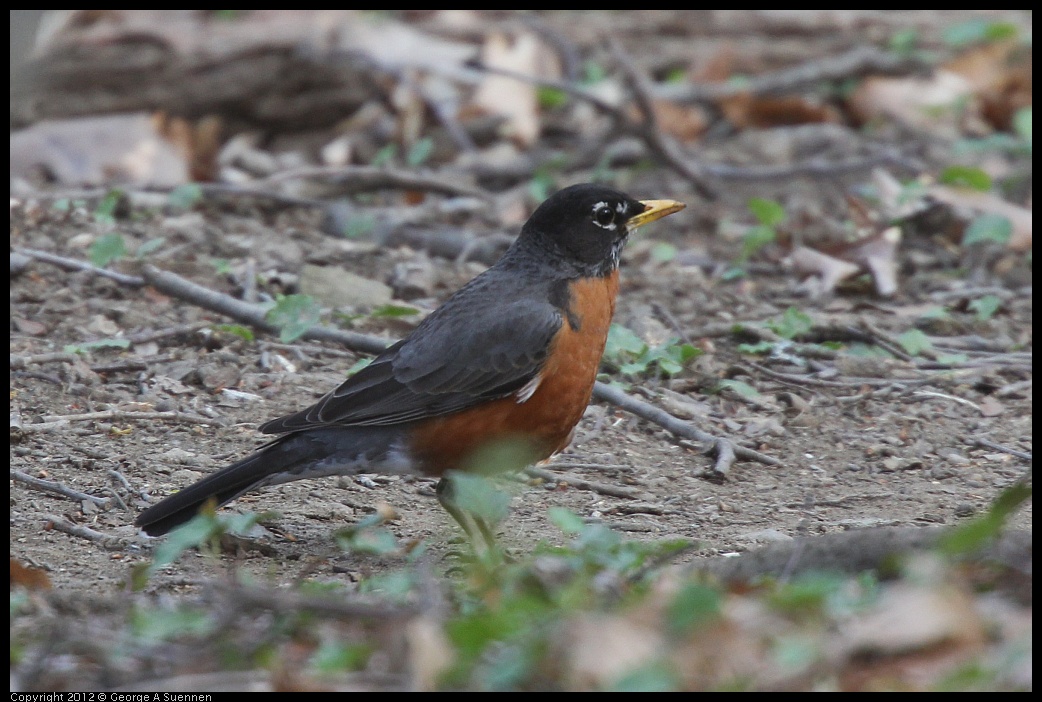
582	483
1005	449
58	489
364	178
72	264
863	60
255	315
57	421
644	410
66	527
662	145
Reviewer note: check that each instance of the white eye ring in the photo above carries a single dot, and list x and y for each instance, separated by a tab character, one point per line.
604	216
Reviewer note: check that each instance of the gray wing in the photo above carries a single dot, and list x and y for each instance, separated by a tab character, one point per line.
465	353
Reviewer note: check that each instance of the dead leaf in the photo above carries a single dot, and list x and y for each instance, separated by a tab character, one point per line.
926	103
748	111
830	270
961	199
513	99
684	122
999	74
879	255
115	149
990	407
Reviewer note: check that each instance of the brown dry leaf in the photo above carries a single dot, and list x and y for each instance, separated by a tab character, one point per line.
684	122
115	149
879	255
911	618
758	112
977	203
927	103
199	142
990	407
875	254
513	99
830	271
999	73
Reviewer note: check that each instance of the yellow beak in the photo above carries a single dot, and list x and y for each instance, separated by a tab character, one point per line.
654	209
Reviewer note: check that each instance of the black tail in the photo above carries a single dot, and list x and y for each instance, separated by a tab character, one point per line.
221	487
307	454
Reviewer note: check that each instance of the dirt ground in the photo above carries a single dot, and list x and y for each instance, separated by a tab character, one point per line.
907	457
861	440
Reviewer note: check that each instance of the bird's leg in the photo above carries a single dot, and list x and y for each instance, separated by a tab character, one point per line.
469	521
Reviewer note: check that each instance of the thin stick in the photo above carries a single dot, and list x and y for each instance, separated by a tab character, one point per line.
56	421
57	489
582	483
72	264
181	288
656	140
1004	449
644	410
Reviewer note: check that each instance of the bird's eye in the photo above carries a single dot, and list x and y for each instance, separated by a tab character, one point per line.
604	215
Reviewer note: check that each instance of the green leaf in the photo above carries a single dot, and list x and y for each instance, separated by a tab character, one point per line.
974	534
966	177
358	365
550	98
904	41
663	252
768	212
185	197
593	72
977	30
986	306
293	315
393	311
914	342
793	323
106	210
566	520
107	248
150	246
477	495
755	238
385	155
238	330
419	152
375	540
156	625
759	348
935	312
993	228
337	657
695	605
88	346
359	226
733	273
742	388
622	340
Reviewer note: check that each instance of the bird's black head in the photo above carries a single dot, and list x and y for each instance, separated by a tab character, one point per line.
586	225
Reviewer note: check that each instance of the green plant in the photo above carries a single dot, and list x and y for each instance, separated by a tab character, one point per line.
293	315
769	214
107	248
627	353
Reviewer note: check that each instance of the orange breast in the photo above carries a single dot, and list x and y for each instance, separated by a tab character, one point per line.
543	423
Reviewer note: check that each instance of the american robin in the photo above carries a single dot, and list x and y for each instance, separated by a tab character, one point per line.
511	357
